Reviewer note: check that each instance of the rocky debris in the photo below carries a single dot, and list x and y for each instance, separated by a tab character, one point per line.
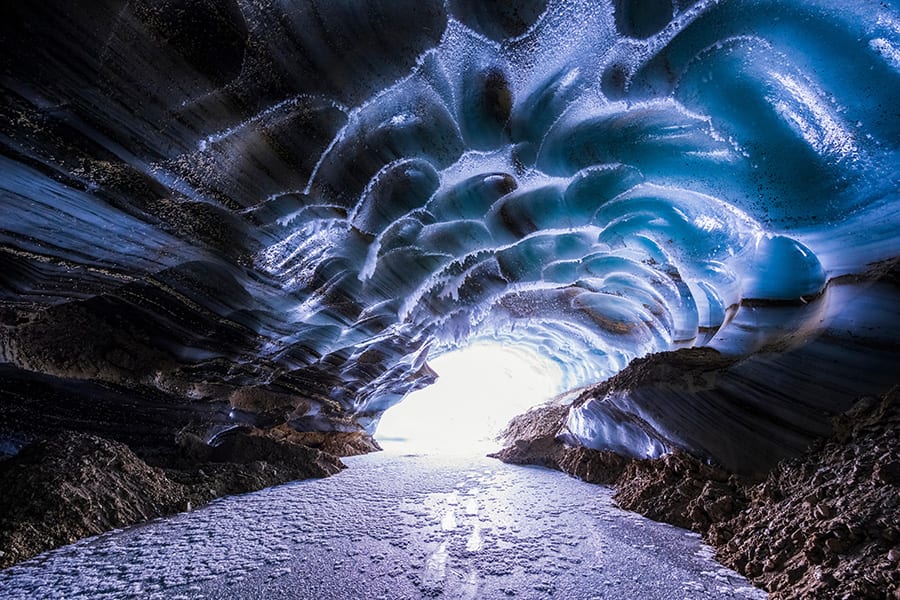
701	400
60	489
823	525
827	524
244	460
686	368
78	457
244	445
679	489
67	486
338	443
593	466
533	437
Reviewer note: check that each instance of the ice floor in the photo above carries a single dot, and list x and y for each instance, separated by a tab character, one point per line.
393	526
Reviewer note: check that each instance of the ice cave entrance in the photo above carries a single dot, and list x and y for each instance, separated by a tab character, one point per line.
479	389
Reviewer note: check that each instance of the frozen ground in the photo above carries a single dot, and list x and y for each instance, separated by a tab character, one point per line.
393	526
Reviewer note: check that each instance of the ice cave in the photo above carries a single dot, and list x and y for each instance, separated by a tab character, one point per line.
239	237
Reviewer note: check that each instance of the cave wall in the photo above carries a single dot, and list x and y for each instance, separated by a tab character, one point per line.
267	213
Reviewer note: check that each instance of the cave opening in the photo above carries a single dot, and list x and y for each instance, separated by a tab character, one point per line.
480	387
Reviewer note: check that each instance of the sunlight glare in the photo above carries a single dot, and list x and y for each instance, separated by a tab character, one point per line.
479	389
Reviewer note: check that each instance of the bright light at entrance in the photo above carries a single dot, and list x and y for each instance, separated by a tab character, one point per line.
479	389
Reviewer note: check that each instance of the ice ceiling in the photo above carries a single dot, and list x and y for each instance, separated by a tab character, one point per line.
301	201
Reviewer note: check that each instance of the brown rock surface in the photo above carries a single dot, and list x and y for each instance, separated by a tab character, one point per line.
827	524
58	490
532	436
824	525
338	443
64	487
679	489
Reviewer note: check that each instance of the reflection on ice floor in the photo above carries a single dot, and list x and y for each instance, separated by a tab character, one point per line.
393	526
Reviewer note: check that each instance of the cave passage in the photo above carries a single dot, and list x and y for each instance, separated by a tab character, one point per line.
393	527
479	389
273	227
239	237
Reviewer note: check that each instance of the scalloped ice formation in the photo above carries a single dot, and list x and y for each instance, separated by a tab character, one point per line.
281	209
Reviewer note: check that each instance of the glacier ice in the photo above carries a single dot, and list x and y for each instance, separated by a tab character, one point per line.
345	190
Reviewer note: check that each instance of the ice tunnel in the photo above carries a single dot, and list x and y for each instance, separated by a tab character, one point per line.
221	215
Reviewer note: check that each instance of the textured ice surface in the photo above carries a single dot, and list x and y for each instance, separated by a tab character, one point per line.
393	526
605	185
836	347
317	196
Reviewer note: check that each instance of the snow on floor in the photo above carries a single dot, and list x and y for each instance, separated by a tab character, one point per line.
393	526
